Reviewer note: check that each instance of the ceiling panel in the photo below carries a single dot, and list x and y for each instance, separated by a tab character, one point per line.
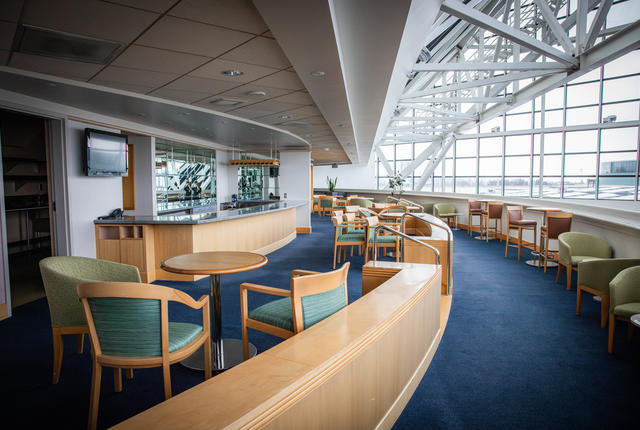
270	106
127	86
159	6
182	96
262	51
298	97
188	36
283	79
135	77
305	111
203	85
89	17
236	14
4	56
158	60
7	30
10	10
54	66
214	69
243	92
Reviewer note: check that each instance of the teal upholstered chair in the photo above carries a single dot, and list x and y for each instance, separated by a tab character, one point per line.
575	247
129	328
363	203
347	233
61	276
625	300
313	297
594	276
385	238
326	204
446	212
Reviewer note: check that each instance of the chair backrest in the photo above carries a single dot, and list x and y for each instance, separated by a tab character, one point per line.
128	319
352	209
359	201
494	209
625	287
558	223
399	208
365	212
61	275
585	244
474	204
325	201
514	213
337	213
443	208
316	297
349	217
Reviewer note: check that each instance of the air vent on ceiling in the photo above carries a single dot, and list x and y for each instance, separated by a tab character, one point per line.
227	101
52	43
298	124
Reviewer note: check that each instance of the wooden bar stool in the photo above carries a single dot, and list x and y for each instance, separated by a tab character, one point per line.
493	212
475	209
557	223
515	221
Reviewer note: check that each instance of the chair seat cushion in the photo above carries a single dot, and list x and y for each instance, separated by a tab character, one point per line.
577	259
384	239
475	211
449	214
277	313
181	334
523	222
355	230
627	309
351	237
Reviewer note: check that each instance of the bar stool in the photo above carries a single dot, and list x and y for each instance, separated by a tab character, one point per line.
557	223
493	212
475	209
515	221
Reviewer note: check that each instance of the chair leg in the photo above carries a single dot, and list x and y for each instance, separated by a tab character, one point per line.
559	272
578	300
569	273
166	378
117	379
334	256
58	349
128	373
79	343
612	329
604	309
506	246
207	354
94	398
546	253
519	242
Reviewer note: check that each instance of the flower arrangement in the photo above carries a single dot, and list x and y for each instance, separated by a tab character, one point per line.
395	183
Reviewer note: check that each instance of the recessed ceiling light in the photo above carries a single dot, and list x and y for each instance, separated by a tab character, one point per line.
232	72
285	116
51	84
226	101
256	93
317	73
327	149
308	135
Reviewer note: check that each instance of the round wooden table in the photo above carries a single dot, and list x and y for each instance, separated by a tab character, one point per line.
537	261
226	353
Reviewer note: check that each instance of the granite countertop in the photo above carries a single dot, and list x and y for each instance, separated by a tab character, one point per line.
207	217
184	204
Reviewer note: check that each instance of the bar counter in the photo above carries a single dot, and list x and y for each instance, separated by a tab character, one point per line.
146	241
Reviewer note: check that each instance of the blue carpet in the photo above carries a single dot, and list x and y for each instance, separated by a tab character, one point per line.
513	354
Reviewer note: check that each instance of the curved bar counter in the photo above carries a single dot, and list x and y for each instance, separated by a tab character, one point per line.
356	369
145	241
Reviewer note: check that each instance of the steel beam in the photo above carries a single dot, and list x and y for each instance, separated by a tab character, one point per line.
597	23
555	27
474	66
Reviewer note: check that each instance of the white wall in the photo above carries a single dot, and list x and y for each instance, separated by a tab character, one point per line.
144	158
226	177
349	176
295	182
89	196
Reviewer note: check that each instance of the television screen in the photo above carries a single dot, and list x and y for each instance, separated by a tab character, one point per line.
106	153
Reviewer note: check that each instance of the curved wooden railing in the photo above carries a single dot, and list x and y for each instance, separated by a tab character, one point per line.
356	369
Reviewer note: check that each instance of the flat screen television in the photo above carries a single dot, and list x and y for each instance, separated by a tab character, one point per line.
106	153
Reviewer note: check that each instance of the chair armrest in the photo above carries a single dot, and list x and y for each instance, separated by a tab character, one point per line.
598	273
187	300
564	253
264	289
300	272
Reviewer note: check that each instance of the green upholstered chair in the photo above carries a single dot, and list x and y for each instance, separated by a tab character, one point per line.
129	328
326	204
347	233
61	276
313	297
357	201
446	212
594	276
575	247
385	238
625	300
365	213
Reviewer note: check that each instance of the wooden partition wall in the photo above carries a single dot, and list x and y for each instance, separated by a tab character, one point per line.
355	370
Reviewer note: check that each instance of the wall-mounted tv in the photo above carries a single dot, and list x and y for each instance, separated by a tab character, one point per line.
106	153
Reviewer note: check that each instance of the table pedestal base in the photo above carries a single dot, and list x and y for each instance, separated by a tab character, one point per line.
231	356
534	263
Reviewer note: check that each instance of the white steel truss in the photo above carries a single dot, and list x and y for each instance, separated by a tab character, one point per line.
485	57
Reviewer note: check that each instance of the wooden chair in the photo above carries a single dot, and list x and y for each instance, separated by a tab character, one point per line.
359	201
446	212
575	247
474	209
316	204
365	213
625	300
352	209
347	234
557	223
60	276
325	203
493	212
129	328
337	212
385	238
515	221
313	297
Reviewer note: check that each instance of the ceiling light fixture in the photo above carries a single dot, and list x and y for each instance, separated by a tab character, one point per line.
327	149
256	93
285	116
317	73
232	72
